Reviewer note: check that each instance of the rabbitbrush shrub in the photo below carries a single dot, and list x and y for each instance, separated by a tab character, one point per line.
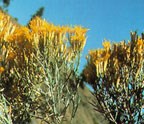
116	73
39	69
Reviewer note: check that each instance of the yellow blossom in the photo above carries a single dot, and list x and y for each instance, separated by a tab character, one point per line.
11	55
106	45
1	69
100	59
61	29
7	26
80	30
139	45
78	41
20	35
37	25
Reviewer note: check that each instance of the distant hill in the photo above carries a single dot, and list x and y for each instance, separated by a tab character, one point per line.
85	113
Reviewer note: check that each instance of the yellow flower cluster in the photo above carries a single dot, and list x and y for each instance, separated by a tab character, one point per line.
20	40
100	57
6	26
116	60
78	38
20	35
1	70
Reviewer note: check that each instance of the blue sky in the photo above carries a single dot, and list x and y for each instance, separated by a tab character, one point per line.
106	19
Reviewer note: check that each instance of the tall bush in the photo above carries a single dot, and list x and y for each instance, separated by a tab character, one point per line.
116	73
39	69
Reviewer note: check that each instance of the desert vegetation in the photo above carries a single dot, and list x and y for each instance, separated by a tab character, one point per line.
38	69
40	80
116	73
